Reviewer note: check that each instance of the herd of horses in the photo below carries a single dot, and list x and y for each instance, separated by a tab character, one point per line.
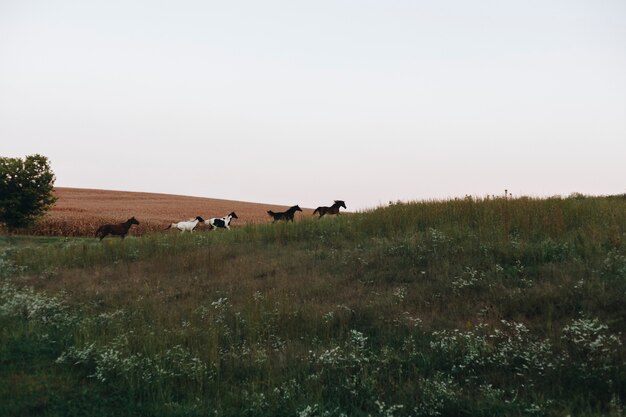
121	229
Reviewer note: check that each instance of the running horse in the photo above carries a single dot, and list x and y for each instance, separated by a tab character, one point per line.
284	215
221	222
120	229
186	225
334	209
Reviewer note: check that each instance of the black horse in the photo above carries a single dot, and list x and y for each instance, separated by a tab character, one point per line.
334	209
284	215
120	229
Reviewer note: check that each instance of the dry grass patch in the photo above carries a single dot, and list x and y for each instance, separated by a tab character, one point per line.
79	212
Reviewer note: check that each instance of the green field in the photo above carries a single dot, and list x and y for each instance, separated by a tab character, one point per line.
468	307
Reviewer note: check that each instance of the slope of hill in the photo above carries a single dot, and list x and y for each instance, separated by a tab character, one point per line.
466	307
79	212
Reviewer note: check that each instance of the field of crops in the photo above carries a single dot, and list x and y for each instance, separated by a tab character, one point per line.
79	212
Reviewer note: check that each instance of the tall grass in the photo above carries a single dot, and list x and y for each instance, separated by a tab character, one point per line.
460	307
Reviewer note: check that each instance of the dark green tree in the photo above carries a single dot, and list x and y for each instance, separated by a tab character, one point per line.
25	190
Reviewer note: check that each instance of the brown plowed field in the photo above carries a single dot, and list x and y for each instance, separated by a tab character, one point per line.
79	212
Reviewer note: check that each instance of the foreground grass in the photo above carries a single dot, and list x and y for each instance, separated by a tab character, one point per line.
463	307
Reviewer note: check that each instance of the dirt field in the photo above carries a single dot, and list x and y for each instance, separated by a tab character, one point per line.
79	212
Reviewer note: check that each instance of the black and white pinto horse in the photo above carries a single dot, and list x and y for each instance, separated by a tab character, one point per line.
120	229
221	222
334	209
284	215
186	225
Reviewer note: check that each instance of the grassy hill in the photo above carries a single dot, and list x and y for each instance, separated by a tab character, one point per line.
462	307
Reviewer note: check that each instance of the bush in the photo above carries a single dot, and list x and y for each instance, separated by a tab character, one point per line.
25	190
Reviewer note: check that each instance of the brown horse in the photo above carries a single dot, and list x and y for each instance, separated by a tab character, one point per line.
284	215
120	229
334	209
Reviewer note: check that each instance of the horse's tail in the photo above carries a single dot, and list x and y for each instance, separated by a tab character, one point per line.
317	210
271	213
169	227
102	231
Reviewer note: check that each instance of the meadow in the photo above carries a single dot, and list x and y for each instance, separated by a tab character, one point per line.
465	307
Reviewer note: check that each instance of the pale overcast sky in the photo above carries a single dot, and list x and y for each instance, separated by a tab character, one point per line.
305	102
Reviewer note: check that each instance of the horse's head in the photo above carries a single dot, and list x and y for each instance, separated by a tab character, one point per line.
341	203
296	208
233	215
132	220
200	219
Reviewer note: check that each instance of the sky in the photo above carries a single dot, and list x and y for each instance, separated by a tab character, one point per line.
304	102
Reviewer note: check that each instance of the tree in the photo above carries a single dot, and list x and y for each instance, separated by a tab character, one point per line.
25	190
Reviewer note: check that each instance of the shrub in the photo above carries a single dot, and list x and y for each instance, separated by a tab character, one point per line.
25	190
